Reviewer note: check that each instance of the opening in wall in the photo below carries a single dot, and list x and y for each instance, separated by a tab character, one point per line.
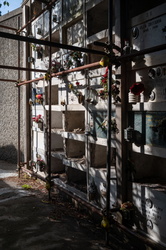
94	23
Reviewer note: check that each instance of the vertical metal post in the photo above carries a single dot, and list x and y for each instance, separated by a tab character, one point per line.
87	126
49	98
18	150
110	13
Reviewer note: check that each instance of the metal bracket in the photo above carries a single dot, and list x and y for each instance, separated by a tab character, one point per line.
108	50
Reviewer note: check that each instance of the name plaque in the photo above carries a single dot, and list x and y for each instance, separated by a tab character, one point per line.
153	126
151	211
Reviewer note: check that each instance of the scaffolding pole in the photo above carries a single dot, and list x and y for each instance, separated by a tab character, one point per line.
7	27
61	73
8	80
22	68
19	127
49	112
48	43
108	163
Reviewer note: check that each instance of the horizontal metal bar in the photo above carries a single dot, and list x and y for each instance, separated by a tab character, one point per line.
142	52
7	27
8	80
147	67
87	66
23	69
50	44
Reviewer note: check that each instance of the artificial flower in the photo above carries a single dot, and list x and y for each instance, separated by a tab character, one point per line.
137	88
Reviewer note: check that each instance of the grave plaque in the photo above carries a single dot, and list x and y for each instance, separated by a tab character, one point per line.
150	201
153	126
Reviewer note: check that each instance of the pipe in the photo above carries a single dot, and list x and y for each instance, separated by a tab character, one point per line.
110	13
48	43
62	72
89	205
30	172
8	80
22	68
7	27
36	16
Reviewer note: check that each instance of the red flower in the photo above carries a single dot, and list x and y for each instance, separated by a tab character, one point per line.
77	83
39	96
106	73
104	80
37	118
137	88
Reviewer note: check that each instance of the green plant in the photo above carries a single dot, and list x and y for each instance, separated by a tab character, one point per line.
26	186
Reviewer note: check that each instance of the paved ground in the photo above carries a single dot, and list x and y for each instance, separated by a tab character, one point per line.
29	222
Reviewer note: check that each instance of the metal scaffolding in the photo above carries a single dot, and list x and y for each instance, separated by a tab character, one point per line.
51	44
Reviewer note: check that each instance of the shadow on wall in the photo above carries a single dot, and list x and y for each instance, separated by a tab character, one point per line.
9	153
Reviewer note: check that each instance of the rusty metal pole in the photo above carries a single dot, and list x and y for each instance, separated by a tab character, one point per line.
19	110
49	98
7	27
110	14
91	65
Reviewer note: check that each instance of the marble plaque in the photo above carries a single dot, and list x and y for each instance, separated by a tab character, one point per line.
150	218
153	126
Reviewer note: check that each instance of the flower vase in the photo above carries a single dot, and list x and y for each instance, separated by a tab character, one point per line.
40	125
133	98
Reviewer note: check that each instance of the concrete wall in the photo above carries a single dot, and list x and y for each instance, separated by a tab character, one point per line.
8	91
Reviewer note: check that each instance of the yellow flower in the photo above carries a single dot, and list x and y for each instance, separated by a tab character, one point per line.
47	77
105	222
104	61
71	86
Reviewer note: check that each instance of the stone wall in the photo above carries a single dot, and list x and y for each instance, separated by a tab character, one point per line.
9	92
